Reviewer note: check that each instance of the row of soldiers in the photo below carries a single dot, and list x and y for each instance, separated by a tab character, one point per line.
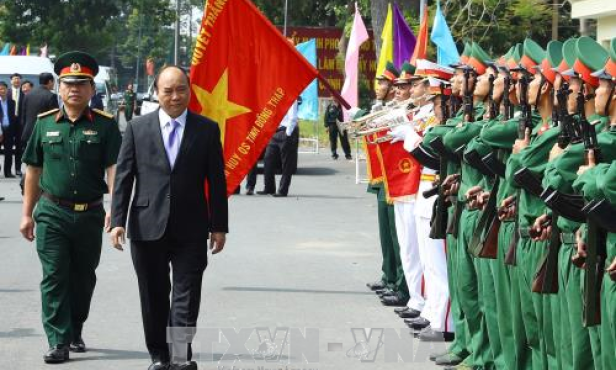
500	225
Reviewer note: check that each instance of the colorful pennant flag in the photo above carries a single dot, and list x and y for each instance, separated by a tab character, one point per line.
446	50
421	47
387	43
309	109
359	35
404	39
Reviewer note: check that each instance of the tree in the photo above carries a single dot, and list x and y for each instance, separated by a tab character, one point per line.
63	25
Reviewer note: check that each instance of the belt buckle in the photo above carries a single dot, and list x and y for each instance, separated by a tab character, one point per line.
80	207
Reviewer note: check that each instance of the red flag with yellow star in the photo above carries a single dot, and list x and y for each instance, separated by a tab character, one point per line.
245	76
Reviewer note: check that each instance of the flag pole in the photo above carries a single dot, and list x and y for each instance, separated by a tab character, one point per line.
335	93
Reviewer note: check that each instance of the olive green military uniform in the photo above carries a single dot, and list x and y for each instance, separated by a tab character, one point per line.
467	283
129	104
460	347
73	157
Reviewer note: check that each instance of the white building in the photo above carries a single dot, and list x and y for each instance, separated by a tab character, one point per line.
604	11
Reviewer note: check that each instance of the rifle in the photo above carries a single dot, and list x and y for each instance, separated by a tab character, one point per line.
469	115
564	119
596	255
444	110
506	101
524	124
492	113
546	276
526	117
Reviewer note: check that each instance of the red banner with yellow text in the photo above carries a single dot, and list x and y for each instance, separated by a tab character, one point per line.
401	172
245	76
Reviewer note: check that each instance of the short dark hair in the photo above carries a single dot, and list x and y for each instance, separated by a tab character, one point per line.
45	77
2	83
15	75
27	82
168	67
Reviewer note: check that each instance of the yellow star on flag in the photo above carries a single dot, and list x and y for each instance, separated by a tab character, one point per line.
216	104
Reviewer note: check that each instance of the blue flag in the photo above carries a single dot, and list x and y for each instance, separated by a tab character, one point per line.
6	50
446	51
309	109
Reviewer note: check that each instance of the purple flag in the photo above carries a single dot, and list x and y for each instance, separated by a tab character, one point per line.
404	39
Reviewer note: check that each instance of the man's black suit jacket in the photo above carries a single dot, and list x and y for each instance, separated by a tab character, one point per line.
10	104
37	101
166	198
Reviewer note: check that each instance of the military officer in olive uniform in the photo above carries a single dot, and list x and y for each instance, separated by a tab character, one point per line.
68	156
129	102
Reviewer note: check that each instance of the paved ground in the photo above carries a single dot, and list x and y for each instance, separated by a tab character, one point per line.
300	262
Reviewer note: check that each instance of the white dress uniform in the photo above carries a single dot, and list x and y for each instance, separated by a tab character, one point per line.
432	252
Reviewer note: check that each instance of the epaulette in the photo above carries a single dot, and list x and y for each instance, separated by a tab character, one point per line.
103	113
49	112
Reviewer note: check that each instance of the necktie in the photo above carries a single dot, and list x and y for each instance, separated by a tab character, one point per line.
172	143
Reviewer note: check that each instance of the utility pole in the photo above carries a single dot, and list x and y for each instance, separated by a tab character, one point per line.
555	16
139	47
286	14
176	49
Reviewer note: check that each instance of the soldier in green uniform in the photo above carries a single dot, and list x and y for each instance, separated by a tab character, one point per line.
68	156
560	173
467	285
460	347
129	102
596	182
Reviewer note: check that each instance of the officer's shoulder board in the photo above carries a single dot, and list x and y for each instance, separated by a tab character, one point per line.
48	113
103	113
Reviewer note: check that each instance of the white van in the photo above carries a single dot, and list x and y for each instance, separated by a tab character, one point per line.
29	67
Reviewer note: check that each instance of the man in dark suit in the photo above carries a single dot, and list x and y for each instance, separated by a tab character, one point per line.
39	100
169	155
17	96
9	124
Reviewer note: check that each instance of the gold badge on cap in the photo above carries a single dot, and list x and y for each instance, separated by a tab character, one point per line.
75	68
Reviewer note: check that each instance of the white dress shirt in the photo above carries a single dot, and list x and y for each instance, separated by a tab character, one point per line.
290	119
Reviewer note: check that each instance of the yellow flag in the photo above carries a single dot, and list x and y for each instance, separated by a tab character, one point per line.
387	43
28	49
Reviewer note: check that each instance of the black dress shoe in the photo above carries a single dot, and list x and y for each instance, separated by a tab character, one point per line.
434	355
9	176
250	191
56	355
348	157
279	195
430	335
19	173
386	293
417	323
398	310
77	345
393	300
159	365
263	192
377	285
409	314
334	156
185	366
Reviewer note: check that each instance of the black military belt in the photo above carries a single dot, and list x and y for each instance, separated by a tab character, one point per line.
77	207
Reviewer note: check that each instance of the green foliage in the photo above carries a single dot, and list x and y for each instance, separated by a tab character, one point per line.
148	32
497	25
63	25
